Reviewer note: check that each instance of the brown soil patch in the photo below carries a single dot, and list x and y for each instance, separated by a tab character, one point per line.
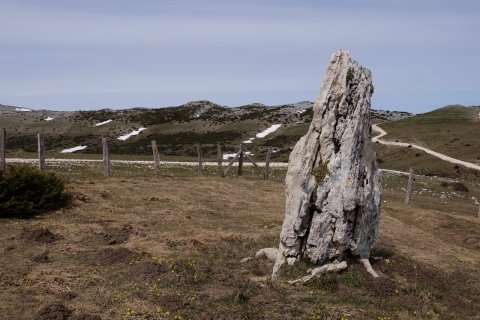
117	235
148	271
54	311
113	256
41	258
472	241
40	235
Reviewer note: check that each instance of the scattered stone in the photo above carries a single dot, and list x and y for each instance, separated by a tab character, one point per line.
40	235
56	311
368	266
269	253
317	272
246	259
332	185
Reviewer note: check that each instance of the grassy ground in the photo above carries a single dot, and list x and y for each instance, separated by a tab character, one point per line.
402	158
136	247
453	130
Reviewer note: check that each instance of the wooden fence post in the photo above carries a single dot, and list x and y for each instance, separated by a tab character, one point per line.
230	164
156	158
42	166
408	192
106	159
220	160
240	161
3	143
200	165
266	171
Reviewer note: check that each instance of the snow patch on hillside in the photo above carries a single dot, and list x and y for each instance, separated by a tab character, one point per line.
102	123
70	150
133	133
230	156
23	109
48	119
267	131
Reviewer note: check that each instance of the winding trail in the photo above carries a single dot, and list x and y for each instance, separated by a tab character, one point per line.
433	153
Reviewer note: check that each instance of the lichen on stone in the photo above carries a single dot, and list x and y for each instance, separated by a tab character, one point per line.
349	75
321	172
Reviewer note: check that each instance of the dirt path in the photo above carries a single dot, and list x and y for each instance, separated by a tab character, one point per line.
433	153
146	162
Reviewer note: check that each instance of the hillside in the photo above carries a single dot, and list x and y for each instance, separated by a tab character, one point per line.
452	130
176	129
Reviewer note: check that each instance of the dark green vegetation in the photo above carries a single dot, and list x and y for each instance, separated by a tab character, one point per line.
25	192
176	129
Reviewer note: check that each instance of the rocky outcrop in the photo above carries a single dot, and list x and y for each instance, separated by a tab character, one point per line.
332	185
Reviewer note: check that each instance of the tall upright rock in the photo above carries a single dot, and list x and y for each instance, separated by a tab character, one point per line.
332	185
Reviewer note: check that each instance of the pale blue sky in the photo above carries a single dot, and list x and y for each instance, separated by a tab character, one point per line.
87	54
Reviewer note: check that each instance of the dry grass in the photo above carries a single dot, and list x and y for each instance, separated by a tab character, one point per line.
142	248
452	130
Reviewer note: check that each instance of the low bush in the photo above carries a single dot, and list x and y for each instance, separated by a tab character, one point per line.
25	192
456	186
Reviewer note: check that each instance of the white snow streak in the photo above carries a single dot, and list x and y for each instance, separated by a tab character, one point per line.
102	123
22	109
133	133
70	150
48	119
266	132
227	156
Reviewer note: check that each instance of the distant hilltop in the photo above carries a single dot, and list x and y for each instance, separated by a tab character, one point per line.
176	129
385	114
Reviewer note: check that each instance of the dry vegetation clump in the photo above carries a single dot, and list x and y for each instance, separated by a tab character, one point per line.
39	235
456	186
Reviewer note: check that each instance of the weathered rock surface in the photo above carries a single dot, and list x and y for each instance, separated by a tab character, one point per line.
332	185
269	253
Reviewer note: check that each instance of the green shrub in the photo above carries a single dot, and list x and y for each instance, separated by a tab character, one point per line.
25	192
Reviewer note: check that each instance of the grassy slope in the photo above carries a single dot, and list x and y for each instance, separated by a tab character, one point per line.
178	242
452	130
175	129
401	158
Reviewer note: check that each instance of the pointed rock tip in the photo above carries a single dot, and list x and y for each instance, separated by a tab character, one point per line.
342	52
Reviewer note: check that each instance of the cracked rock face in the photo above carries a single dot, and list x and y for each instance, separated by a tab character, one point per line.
332	186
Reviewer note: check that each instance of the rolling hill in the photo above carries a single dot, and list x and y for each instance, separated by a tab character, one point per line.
452	130
176	129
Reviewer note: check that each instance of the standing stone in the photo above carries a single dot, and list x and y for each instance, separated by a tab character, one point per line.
332	185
